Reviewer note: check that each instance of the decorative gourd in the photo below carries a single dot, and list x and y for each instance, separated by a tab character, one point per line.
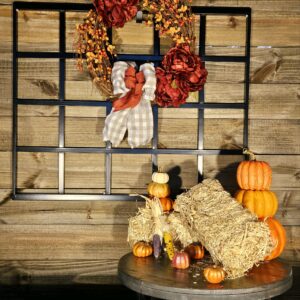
169	245
181	260
253	174
159	190
160	177
166	203
142	249
195	251
214	274
157	246
262	203
278	236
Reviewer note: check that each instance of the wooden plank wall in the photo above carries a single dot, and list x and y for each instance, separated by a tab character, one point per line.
82	241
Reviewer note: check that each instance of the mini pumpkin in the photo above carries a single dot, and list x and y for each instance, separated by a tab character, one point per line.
195	251
181	260
166	203
214	274
160	177
278	235
142	249
262	203
159	190
253	174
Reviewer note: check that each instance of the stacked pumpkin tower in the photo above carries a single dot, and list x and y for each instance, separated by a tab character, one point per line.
254	178
160	189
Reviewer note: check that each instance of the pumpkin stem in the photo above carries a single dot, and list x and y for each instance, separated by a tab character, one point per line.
160	169
246	151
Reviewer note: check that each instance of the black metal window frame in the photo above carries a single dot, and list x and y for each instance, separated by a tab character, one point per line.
156	57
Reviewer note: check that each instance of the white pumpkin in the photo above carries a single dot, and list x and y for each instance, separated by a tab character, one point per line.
160	177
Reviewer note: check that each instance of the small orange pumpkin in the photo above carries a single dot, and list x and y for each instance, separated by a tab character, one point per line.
166	203
253	174
181	260
142	249
214	274
262	203
195	251
278	235
159	190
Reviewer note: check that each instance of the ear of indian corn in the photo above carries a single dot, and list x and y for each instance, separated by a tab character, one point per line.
169	245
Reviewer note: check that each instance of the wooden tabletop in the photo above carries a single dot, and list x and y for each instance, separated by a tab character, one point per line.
157	278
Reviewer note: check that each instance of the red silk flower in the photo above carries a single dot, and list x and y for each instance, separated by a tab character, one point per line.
182	63
168	89
116	13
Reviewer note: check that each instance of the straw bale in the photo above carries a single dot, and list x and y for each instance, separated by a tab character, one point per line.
232	235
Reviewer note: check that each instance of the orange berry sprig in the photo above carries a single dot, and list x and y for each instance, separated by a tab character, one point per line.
93	46
173	18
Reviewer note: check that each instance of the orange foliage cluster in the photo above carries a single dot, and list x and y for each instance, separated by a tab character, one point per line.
173	18
93	46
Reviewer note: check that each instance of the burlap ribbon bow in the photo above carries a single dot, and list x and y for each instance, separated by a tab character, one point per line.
132	111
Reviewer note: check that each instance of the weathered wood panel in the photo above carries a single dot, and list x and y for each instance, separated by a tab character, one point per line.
63	241
268	29
285	169
30	31
39	77
224	133
107	212
291	251
273	23
274	136
267	101
84	242
43	131
45	272
274	101
78	169
65	212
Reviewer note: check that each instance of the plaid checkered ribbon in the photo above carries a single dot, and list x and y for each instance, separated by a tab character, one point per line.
138	120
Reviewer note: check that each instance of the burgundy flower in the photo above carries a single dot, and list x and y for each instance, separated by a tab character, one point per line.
186	66
169	92
116	13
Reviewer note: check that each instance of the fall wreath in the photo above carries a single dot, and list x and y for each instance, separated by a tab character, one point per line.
181	70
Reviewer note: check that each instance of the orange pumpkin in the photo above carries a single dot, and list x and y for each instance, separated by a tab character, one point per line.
142	249
195	251
253	174
159	190
181	260
278	236
166	203
262	203
214	274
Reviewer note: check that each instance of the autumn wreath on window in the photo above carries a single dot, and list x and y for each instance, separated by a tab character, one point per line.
132	91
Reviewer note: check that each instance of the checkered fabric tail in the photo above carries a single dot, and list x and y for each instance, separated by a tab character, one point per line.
138	120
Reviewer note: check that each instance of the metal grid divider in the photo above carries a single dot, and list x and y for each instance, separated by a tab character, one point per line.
62	73
201	94
108	146
108	150
156	52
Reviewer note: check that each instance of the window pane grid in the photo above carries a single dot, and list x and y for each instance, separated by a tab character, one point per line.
108	150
